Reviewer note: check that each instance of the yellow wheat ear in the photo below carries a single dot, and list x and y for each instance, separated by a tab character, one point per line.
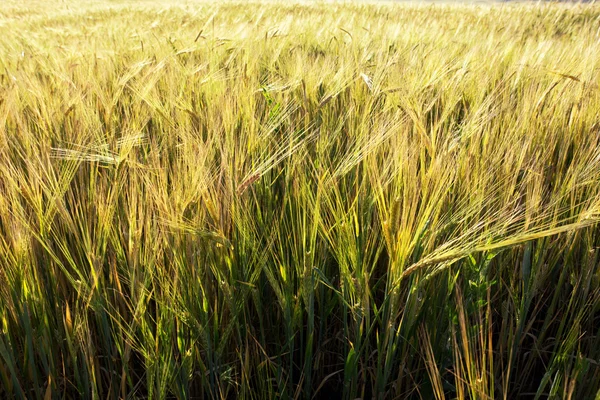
101	153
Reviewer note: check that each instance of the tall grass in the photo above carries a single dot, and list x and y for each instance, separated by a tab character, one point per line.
308	200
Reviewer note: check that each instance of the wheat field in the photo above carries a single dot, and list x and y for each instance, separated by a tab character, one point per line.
312	200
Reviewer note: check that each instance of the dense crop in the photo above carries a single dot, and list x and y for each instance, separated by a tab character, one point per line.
275	200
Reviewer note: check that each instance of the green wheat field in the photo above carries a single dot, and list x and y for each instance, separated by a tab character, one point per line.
277	200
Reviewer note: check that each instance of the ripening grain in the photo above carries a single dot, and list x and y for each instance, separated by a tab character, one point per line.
299	200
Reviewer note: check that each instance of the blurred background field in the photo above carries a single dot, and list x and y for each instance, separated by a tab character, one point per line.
299	200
